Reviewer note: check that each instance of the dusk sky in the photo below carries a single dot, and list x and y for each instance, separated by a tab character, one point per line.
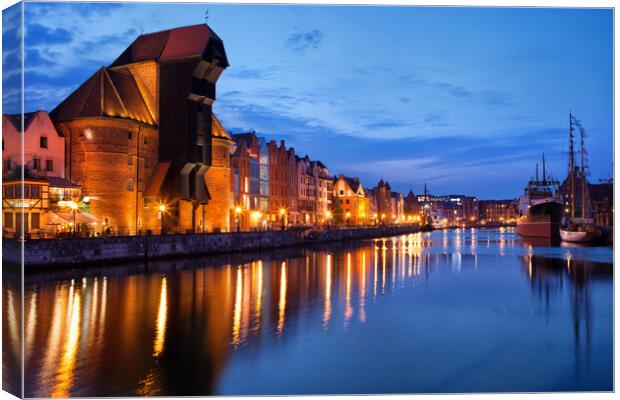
464	98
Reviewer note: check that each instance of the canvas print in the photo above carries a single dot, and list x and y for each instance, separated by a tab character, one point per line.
231	199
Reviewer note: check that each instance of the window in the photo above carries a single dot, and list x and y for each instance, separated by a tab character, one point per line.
43	142
342	192
35	191
106	221
347	201
35	220
7	164
129	159
145	142
9	192
8	220
36	163
49	165
129	135
130	185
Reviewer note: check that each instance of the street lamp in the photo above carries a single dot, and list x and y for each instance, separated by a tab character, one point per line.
238	211
282	215
162	210
328	216
348	215
73	205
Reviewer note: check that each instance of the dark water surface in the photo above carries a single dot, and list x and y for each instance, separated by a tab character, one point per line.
448	311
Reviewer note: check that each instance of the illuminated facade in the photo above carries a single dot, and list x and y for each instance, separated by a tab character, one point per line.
498	211
383	199
141	135
45	191
279	182
246	186
355	204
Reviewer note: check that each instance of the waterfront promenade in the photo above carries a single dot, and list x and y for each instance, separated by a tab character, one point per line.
58	252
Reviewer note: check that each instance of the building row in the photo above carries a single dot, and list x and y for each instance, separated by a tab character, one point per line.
136	148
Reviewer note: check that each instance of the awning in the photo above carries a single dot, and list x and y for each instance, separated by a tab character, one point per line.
80	217
54	219
153	187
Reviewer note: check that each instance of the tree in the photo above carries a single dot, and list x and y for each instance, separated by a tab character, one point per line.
337	213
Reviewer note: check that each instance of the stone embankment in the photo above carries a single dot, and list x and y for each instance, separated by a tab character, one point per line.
65	252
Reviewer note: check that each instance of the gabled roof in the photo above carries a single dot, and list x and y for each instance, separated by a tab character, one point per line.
217	130
16	120
354	183
187	41
105	94
320	164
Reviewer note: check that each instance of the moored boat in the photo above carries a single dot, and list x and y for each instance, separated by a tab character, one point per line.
578	230
580	236
540	212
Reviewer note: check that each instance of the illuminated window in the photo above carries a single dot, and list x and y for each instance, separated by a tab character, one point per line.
43	142
35	220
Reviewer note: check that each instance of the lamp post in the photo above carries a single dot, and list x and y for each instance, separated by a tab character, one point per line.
74	207
282	215
328	216
162	211
238	217
348	215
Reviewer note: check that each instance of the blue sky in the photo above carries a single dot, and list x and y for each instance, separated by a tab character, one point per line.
464	98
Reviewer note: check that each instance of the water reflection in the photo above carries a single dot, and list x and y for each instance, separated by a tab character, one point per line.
182	327
568	280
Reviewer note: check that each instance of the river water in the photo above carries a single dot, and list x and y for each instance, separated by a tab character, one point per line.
447	311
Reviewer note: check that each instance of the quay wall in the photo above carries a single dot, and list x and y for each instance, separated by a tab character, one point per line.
48	252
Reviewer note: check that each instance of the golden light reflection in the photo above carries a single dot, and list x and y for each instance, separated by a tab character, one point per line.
64	376
53	342
31	324
383	275
162	316
363	289
259	291
237	310
374	288
282	302
348	310
328	291
14	324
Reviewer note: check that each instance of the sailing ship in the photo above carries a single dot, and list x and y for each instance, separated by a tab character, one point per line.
578	229
427	222
539	209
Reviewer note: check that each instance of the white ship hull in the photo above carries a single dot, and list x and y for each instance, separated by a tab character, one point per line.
578	236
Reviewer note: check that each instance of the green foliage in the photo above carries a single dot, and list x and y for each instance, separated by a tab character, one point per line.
337	213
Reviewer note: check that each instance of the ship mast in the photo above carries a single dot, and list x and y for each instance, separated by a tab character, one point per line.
544	177
571	167
583	171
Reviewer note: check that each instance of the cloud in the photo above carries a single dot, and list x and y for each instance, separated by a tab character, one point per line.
40	35
302	41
